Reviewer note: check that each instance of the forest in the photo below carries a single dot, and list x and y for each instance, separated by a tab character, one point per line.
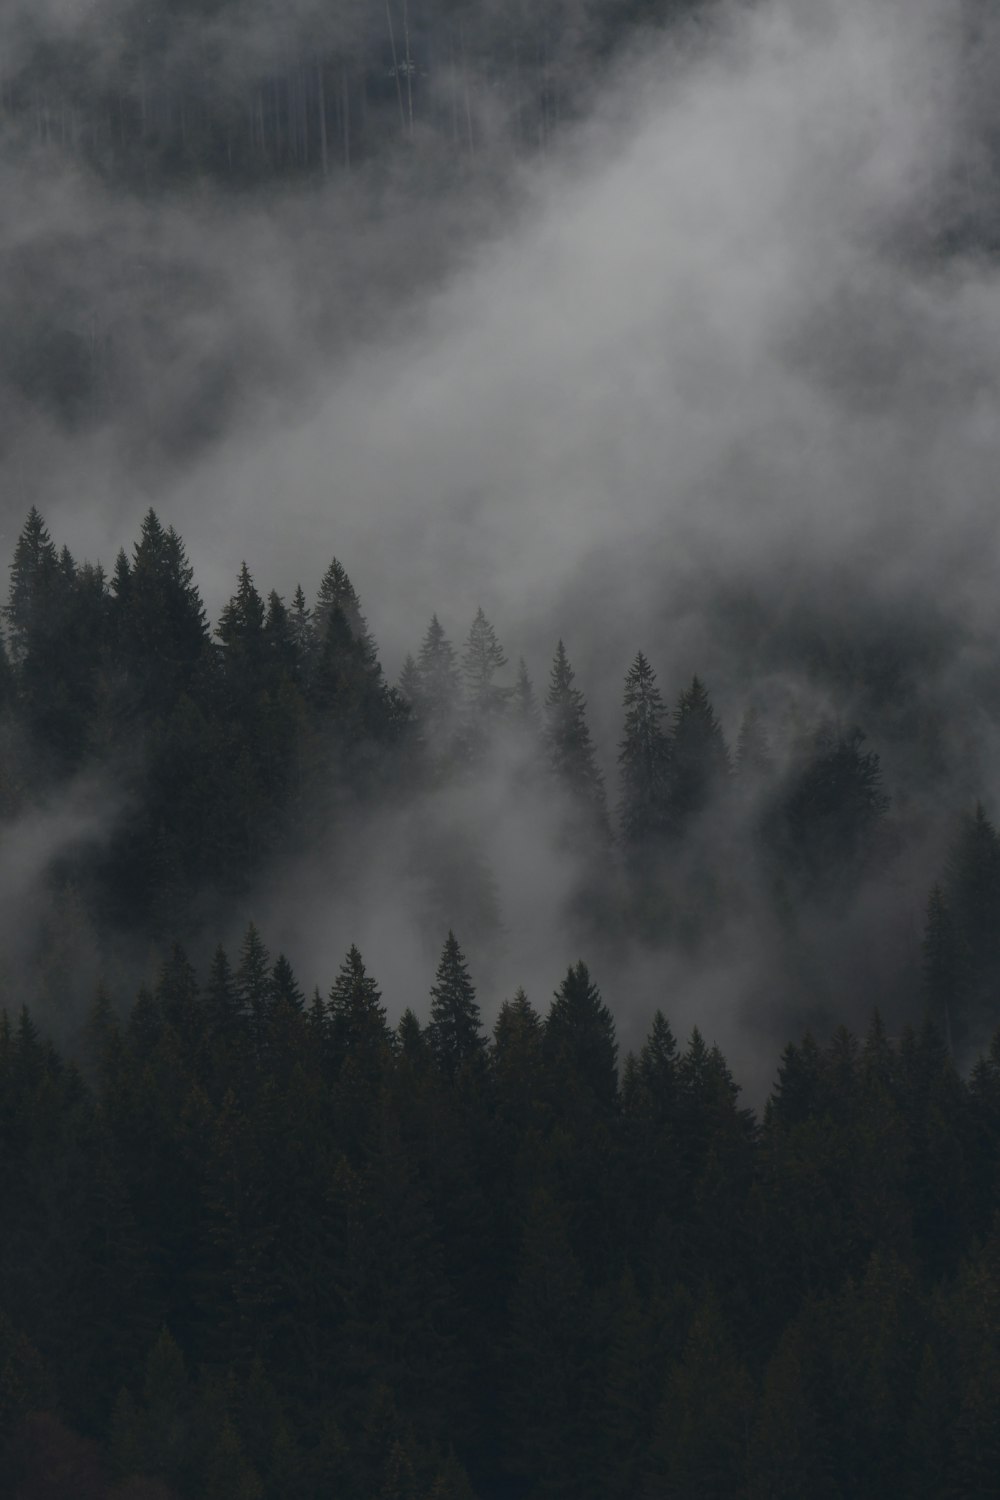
499	728
261	1243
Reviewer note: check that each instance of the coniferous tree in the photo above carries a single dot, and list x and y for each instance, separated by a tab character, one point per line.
359	1031
337	592
754	762
482	659
161	625
699	758
34	579
570	748
643	758
241	624
580	1038
455	1025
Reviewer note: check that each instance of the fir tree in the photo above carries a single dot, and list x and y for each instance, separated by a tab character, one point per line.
644	757
482	659
570	748
438	674
241	624
359	1029
455	1026
580	1037
699	759
336	592
34	581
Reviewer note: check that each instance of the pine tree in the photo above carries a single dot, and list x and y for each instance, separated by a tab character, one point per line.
336	592
160	621
241	624
570	748
482	659
644	758
253	981
34	580
699	759
455	1026
753	753
580	1037
359	1030
438	674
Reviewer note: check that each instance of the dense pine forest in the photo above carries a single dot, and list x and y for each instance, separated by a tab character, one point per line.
514	1015
259	1242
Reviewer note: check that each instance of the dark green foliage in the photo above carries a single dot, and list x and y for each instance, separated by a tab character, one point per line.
571	750
643	759
580	1039
455	1029
482	659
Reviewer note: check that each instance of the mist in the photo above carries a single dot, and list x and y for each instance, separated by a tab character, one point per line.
716	369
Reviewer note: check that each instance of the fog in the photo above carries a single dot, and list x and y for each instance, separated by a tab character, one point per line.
718	366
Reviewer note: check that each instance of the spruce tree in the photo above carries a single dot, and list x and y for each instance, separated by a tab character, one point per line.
580	1037
482	659
753	753
438	673
337	592
455	1026
570	748
34	581
643	758
241	624
699	758
358	1024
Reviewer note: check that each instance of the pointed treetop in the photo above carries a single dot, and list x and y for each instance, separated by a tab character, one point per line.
571	750
580	1035
356	1011
336	592
482	658
455	1032
643	756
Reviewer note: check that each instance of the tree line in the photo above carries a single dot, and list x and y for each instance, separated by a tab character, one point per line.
260	1245
234	746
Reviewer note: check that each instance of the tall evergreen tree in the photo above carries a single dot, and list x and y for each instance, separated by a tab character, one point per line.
241	624
699	758
34	579
359	1029
570	748
482	659
336	591
580	1037
643	758
161	620
455	1026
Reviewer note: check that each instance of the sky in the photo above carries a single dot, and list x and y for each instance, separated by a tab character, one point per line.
731	344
